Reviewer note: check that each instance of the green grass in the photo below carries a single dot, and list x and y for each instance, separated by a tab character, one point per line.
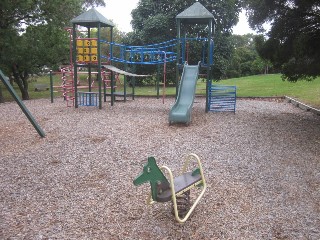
253	86
272	86
260	86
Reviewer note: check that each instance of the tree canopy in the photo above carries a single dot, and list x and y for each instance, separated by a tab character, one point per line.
292	42
32	35
245	60
154	21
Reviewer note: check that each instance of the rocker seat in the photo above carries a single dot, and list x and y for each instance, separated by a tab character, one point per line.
180	183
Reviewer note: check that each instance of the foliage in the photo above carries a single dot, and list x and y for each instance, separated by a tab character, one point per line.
32	35
245	60
154	21
105	35
292	43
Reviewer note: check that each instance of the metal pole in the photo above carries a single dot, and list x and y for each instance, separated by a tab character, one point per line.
70	45
51	86
158	80
104	85
99	66
124	85
178	57
164	76
111	74
208	66
21	105
133	80
74	58
89	67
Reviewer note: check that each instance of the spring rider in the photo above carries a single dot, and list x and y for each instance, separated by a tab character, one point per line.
175	189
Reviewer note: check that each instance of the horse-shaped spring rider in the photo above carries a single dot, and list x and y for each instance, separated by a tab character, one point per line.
175	189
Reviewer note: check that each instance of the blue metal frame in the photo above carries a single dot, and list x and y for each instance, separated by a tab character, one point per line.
88	98
151	54
222	98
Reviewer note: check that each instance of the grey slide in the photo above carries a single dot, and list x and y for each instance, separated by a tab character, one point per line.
181	110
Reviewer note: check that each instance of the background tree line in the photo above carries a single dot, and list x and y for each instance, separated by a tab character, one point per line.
32	35
245	59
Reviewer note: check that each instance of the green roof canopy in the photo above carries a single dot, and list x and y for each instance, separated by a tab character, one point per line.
196	13
91	18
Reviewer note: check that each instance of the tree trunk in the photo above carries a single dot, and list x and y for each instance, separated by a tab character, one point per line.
25	93
21	78
1	96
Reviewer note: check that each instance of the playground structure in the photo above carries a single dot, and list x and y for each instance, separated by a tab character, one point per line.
176	189
86	53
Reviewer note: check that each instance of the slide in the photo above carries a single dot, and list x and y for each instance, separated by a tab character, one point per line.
181	110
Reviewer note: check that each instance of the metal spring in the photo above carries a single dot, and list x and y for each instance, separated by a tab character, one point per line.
183	204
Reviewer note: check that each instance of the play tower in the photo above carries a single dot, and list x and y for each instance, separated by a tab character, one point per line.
196	14
87	51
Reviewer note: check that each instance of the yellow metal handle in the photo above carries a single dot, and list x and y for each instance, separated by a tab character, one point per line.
150	200
171	181
174	200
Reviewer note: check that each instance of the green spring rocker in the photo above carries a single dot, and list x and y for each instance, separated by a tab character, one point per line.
176	189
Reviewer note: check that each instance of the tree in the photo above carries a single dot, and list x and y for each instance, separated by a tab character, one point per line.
32	35
292	42
154	21
245	59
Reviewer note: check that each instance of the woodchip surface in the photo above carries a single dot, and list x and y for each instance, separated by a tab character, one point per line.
262	167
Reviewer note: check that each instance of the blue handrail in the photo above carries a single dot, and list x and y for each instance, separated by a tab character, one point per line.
158	53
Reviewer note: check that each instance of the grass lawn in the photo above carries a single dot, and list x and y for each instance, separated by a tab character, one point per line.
253	86
272	86
259	86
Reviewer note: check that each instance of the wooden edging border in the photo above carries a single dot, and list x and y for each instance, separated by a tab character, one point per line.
302	105
288	99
